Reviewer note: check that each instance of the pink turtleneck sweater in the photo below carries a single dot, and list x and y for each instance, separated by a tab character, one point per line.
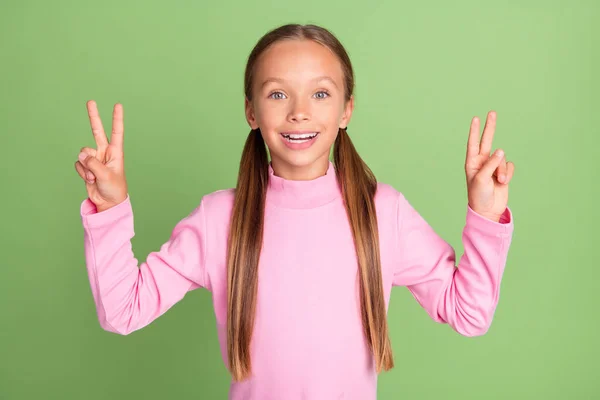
308	341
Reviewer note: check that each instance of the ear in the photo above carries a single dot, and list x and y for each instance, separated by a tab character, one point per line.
250	114
348	108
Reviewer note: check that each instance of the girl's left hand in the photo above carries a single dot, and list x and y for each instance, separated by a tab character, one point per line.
487	175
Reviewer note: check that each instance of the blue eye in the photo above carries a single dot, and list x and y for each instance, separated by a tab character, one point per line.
276	98
279	95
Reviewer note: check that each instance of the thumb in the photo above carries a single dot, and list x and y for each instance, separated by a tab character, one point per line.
94	165
492	163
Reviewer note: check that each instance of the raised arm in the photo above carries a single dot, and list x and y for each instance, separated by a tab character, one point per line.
465	297
127	296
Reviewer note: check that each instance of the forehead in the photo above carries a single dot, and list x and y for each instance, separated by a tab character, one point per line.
298	61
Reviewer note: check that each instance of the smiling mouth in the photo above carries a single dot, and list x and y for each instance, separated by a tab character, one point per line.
299	137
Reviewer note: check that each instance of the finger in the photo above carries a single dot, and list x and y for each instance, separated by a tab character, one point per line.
510	170
96	123
80	169
88	150
116	138
84	173
94	165
473	142
492	163
488	134
501	170
83	155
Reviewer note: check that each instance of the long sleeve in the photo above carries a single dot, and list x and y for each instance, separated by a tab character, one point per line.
465	297
129	297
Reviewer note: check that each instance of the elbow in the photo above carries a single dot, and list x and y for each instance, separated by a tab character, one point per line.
473	321
473	329
471	332
472	325
119	321
108	327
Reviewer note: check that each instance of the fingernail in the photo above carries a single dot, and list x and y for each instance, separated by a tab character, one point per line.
89	176
82	156
503	178
499	153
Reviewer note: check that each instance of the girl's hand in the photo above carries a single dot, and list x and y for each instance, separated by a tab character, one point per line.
487	176
102	168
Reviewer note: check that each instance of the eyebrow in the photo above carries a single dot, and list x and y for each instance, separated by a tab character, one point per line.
317	79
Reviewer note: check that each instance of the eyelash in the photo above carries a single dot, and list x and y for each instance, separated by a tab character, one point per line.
320	91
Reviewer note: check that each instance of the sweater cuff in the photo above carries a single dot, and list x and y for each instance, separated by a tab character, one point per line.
93	218
504	226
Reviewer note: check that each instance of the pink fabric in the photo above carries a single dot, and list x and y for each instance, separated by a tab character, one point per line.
308	341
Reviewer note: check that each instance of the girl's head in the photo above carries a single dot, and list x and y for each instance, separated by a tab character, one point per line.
299	78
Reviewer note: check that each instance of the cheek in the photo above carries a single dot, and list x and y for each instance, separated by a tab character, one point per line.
332	114
269	115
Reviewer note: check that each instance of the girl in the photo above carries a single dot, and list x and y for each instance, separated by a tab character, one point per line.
301	256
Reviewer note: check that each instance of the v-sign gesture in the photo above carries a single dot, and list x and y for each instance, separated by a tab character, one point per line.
102	168
487	175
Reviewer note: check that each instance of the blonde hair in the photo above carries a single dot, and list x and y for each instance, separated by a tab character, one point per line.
358	186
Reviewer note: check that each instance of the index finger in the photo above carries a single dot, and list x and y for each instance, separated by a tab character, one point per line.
96	123
488	134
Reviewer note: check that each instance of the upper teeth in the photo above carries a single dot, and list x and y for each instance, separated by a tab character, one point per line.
300	135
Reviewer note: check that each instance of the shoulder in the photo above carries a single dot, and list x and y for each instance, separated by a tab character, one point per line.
387	199
219	198
215	206
219	202
387	195
216	209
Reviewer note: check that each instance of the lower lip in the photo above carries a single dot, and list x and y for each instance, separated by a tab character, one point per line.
299	146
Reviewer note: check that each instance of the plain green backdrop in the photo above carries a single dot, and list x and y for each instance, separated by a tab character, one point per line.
423	70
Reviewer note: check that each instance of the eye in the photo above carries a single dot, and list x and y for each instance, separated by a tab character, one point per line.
276	93
322	92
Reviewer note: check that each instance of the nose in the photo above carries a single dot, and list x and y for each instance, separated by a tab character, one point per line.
299	112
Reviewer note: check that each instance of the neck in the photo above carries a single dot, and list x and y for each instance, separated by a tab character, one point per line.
303	193
292	172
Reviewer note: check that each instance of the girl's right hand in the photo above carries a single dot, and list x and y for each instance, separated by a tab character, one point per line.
102	168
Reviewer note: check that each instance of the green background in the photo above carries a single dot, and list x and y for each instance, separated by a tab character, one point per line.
423	70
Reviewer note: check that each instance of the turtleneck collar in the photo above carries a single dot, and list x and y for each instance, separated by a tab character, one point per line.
285	193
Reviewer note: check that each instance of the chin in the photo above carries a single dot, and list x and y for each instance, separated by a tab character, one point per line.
299	160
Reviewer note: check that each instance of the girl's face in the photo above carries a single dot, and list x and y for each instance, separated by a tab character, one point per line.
298	87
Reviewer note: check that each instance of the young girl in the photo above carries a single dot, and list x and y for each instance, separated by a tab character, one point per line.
301	256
